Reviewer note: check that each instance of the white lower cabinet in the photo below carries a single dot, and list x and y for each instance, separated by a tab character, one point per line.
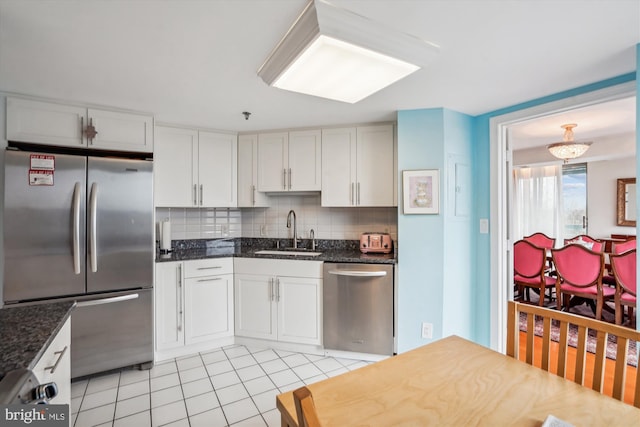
278	300
55	365
193	305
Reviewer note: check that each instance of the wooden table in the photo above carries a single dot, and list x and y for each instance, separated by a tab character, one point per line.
456	382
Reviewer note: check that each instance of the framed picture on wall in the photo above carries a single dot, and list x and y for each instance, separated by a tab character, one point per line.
421	191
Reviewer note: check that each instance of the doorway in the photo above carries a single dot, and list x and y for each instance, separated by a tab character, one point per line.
501	158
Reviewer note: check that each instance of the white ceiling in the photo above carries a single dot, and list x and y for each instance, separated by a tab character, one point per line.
195	62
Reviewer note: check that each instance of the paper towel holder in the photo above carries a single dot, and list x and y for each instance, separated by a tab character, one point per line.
165	237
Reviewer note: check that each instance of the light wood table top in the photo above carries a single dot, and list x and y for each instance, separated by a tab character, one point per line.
458	383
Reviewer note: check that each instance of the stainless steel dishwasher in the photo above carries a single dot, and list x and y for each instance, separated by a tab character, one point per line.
358	308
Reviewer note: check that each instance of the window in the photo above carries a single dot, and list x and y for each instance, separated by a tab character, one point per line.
574	199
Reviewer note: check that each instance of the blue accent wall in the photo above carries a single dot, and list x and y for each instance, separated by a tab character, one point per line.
434	284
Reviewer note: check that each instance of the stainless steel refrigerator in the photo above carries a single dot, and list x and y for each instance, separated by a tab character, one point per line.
81	227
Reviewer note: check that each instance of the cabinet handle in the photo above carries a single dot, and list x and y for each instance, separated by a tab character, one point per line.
271	289
195	195
209	268
353	192
358	194
278	289
179	310
81	130
201	194
213	279
284	179
289	178
253	195
60	356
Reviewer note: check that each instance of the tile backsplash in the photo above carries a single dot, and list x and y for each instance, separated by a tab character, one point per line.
327	223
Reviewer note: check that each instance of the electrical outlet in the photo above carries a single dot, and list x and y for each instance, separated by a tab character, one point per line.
263	230
427	330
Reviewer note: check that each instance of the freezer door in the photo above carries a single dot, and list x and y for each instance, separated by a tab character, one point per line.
120	251
111	331
44	225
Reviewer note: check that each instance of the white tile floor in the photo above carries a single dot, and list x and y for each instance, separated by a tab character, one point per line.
235	385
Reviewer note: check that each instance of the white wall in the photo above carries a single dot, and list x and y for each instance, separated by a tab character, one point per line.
602	195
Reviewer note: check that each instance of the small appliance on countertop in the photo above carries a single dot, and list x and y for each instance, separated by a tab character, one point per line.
379	243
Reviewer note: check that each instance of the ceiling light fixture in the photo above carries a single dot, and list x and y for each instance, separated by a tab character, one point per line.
334	53
568	148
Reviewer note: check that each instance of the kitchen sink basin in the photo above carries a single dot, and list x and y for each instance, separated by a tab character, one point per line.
288	252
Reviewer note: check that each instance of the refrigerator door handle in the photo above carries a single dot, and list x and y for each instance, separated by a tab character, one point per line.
76	228
107	300
94	226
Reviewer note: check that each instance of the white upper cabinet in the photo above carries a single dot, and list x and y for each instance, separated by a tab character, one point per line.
358	166
289	161
50	123
248	194
375	168
175	167
217	169
195	168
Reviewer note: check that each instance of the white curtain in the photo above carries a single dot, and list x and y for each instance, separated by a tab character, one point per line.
538	201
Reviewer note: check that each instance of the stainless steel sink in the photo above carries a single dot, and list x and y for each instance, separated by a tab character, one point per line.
288	252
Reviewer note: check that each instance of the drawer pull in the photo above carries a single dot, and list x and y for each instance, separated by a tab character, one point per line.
209	268
210	280
60	356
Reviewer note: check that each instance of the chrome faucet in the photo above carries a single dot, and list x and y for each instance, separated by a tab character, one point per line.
295	232
312	235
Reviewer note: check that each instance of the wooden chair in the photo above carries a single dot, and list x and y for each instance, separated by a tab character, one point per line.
597	245
305	408
529	265
579	274
541	240
624	271
620	248
583	324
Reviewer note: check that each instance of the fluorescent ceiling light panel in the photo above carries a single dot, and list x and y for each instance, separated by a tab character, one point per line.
331	68
336	54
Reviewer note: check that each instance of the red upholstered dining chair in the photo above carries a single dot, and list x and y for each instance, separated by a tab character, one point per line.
579	274
624	271
620	248
587	241
542	240
529	264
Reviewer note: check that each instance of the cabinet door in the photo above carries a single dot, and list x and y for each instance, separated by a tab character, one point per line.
168	303
338	167
45	123
121	131
208	308
299	310
375	166
272	161
217	169
248	194
55	365
304	172
175	167
255	306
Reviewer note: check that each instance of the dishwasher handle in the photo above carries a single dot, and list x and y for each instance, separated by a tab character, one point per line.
358	273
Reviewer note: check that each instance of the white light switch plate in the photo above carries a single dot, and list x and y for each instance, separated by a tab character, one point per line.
484	226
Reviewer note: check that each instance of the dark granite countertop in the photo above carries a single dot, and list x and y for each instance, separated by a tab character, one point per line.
27	331
332	250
